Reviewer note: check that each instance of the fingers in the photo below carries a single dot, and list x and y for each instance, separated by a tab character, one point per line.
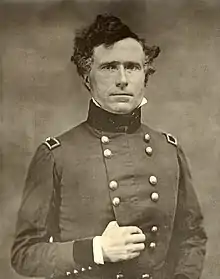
134	250
122	243
128	234
136	238
135	235
129	229
137	247
130	255
133	230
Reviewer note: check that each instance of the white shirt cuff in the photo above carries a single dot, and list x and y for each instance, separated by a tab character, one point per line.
97	250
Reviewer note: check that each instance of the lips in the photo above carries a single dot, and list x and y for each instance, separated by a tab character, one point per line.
121	94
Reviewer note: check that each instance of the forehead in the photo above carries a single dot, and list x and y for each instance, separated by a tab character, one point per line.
125	50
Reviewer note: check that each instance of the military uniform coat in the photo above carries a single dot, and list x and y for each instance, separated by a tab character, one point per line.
110	167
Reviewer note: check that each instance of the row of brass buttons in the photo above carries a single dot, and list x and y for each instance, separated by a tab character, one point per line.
154	197
105	139
152	179
148	149
154	229
75	271
113	185
118	276
143	276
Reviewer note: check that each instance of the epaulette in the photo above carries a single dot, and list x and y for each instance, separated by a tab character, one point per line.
52	143
171	139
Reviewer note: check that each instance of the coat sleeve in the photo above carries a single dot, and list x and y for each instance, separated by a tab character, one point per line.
33	254
190	235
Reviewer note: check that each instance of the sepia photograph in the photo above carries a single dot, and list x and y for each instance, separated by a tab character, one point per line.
109	139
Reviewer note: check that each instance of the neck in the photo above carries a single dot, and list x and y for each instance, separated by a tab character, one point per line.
105	121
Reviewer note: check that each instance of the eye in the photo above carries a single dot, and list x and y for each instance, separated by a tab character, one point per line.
109	67
133	67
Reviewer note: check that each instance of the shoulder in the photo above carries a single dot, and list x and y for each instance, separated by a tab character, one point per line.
161	136
54	143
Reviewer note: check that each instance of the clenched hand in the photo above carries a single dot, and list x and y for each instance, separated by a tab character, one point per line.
121	243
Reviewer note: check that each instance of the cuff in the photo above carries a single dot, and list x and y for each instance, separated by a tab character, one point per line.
83	251
97	250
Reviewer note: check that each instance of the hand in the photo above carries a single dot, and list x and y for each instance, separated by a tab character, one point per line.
121	243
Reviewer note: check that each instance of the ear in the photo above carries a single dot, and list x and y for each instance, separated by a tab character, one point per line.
146	65
86	82
146	68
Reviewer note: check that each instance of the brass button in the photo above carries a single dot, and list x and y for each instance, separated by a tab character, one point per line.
113	185
107	153
51	239
116	201
104	139
75	271
89	268
154	229
145	276
149	150
119	276
83	269
68	273
153	180
147	137
154	197
152	245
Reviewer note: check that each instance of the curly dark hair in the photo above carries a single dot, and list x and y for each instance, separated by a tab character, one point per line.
106	29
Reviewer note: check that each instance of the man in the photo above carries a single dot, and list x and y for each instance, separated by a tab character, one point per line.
111	198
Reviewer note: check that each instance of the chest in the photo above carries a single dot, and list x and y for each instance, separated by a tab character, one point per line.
118	178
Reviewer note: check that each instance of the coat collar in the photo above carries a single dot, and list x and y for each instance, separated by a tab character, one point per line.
105	121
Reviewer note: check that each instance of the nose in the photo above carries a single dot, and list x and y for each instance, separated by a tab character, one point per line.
121	78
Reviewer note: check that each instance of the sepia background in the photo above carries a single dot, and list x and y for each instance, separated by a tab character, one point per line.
41	94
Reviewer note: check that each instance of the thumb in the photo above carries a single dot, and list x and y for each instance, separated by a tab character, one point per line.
111	225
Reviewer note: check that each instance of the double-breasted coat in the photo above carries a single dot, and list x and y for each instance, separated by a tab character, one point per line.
110	167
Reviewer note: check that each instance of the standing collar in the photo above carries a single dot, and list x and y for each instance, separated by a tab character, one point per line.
143	102
105	121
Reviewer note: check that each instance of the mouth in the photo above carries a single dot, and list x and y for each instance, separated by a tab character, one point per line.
121	94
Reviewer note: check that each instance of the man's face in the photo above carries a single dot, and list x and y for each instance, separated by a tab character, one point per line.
117	76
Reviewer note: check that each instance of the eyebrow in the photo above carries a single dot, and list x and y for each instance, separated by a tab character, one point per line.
116	63
128	63
108	63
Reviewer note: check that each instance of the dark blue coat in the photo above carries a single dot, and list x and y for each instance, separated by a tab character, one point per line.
109	168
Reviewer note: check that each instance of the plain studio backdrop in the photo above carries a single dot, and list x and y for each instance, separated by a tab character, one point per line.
41	94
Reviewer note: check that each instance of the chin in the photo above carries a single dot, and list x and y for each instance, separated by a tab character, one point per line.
123	108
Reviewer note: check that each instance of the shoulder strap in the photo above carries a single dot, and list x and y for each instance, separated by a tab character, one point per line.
52	143
171	139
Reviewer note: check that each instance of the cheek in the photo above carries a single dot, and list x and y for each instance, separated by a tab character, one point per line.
102	82
138	81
